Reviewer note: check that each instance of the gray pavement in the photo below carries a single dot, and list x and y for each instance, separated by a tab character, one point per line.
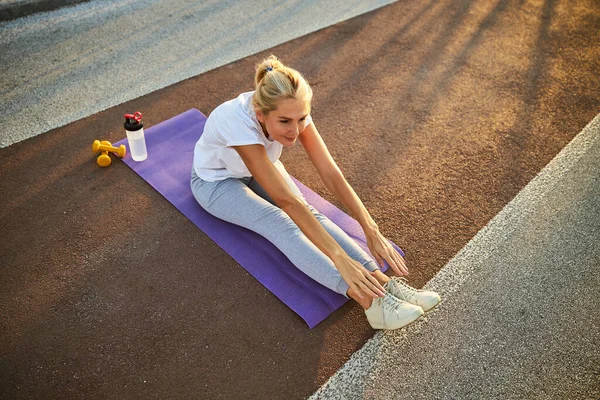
12	9
61	66
520	315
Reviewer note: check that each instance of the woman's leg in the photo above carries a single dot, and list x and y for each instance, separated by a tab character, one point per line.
345	241
341	237
233	201
354	251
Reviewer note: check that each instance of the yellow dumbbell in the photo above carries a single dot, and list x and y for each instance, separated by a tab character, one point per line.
103	159
105	146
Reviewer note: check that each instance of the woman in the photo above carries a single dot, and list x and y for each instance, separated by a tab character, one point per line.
237	176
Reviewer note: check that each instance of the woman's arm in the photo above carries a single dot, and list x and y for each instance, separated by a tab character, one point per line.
333	178
335	181
262	169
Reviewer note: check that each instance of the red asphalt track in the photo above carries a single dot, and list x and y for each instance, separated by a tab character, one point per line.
438	113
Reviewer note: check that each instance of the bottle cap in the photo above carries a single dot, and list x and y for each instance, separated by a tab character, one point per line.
133	122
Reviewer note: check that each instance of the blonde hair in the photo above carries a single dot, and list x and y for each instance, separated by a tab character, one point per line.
275	82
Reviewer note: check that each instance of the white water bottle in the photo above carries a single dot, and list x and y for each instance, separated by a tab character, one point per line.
134	127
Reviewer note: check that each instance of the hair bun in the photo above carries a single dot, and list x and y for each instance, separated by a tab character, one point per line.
267	65
275	81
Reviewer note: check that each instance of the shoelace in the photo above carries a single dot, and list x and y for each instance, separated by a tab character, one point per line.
407	291
389	301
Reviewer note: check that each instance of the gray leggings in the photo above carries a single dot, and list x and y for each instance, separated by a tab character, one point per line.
245	203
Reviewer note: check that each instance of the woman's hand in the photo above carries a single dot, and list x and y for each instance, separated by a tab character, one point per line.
358	277
382	250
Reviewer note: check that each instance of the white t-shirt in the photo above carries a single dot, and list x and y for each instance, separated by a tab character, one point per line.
233	123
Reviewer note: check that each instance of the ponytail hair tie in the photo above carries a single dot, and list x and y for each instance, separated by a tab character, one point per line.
269	69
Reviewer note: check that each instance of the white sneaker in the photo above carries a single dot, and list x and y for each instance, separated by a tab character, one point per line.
389	312
423	298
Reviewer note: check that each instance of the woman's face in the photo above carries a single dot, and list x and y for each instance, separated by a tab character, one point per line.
285	123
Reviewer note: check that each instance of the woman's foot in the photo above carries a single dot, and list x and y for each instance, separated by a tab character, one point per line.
423	298
389	312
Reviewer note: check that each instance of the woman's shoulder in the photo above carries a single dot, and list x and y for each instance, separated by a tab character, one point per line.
233	118
237	107
234	112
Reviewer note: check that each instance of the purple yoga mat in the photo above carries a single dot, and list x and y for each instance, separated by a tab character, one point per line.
168	168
